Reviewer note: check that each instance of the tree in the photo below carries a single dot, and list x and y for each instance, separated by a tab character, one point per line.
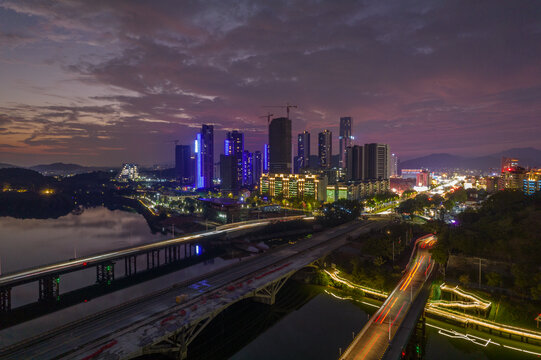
464	279
494	279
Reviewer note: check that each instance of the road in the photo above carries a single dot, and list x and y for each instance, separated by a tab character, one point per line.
122	325
80	263
373	340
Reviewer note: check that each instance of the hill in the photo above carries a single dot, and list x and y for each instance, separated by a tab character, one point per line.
5	166
528	157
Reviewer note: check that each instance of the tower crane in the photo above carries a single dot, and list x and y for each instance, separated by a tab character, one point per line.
268	116
287	107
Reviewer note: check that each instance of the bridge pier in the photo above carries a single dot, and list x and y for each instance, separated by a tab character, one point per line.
105	273
49	288
5	299
130	265
267	295
153	259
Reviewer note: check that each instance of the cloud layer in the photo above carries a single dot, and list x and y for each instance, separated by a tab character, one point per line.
101	82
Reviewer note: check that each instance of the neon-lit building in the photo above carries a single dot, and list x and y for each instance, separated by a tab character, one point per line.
128	172
356	190
266	162
532	183
293	185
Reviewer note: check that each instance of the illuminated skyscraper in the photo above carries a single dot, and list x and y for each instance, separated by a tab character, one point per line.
234	140
204	150
247	168
345	139
257	166
325	149
303	150
280	145
393	168
266	162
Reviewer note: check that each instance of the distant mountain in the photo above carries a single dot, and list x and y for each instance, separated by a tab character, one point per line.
528	157
5	166
57	167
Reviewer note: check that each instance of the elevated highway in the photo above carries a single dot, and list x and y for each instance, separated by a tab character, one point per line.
389	328
170	251
157	324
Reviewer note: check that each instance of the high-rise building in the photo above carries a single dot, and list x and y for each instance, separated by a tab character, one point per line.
266	161
204	150
325	149
393	168
303	150
228	173
345	139
354	163
508	164
247	168
183	164
257	170
376	161
234	142
280	145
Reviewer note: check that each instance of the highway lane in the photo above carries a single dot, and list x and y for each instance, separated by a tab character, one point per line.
373	340
39	271
79	333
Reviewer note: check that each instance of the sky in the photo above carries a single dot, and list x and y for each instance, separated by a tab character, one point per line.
106	82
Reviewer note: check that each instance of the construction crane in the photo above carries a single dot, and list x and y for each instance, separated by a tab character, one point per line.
268	116
287	107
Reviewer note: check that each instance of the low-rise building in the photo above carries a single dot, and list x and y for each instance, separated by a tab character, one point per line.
293	185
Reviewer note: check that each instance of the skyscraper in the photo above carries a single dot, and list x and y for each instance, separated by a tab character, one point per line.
376	161
345	139
325	149
394	165
228	173
354	163
247	168
183	168
206	156
266	162
303	150
257	167
280	145
234	141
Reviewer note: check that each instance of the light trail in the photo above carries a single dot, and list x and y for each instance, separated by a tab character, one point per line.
397	315
381	313
366	350
412	274
387	313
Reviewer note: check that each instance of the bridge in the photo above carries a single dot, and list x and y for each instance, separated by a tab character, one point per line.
156	323
388	331
157	254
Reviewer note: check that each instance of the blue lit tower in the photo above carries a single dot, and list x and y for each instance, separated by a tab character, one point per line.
204	151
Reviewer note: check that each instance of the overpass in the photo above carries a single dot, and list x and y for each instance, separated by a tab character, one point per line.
389	329
172	250
157	324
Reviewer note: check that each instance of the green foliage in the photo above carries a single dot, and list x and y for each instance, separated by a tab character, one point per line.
339	212
464	279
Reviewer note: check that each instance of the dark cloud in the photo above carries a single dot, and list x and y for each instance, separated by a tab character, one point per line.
423	76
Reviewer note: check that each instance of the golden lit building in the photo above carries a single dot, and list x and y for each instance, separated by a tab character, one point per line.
293	185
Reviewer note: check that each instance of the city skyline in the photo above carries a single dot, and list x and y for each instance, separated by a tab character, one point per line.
90	82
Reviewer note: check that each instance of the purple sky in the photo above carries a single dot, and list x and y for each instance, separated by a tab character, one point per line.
106	82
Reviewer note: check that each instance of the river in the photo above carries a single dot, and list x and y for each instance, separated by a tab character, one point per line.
325	324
